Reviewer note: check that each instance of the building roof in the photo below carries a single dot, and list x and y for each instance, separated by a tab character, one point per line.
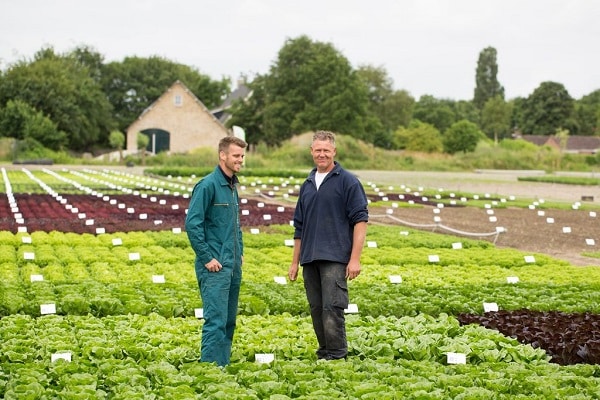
575	143
241	92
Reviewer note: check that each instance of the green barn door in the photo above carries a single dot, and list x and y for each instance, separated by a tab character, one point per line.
160	140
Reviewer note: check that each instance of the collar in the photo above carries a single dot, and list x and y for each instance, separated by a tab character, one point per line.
232	181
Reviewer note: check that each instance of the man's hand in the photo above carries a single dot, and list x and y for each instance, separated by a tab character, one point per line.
293	272
213	265
352	270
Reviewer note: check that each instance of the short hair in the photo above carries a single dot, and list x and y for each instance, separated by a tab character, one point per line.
229	140
325	135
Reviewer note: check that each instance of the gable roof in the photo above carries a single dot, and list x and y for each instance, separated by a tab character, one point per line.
241	92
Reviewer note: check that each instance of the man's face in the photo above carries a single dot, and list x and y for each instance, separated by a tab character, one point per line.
323	153
231	161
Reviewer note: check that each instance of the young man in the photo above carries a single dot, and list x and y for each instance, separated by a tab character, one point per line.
330	223
213	228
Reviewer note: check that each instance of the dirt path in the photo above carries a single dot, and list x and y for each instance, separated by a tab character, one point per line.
563	234
494	182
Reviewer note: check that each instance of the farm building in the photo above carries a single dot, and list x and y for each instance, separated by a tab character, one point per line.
575	144
176	122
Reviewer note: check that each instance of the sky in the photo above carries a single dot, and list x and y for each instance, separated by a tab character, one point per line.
427	47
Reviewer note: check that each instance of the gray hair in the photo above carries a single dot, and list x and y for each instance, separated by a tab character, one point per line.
325	135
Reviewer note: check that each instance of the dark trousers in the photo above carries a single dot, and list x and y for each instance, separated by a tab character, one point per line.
327	294
220	293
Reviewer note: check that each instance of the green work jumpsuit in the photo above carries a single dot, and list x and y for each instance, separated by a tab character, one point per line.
213	228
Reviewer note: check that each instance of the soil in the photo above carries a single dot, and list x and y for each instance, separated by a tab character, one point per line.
561	233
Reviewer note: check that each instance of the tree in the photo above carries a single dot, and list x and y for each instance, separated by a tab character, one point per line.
142	142
313	86
117	141
495	118
21	121
392	108
436	112
486	78
61	88
462	136
418	136
587	113
133	84
548	108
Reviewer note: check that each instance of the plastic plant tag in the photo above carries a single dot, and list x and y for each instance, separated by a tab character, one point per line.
158	279
490	307
371	244
176	230
456	358
61	356
264	358
590	242
395	279
434	258
566	229
29	255
100	231
245	212
512	279
289	242
457	245
280	280
26	239
352	309
36	278
529	259
255	231
199	313
267	217
46	309
134	256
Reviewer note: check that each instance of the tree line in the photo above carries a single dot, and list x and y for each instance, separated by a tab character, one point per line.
74	101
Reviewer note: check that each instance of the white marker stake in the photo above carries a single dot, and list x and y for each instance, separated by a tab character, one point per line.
529	259
490	307
264	358
280	280
352	309
456	358
46	309
199	313
61	356
395	279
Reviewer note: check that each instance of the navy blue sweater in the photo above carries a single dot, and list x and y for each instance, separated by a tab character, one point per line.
324	219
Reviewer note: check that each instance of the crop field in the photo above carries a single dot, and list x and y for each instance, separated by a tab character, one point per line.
99	300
